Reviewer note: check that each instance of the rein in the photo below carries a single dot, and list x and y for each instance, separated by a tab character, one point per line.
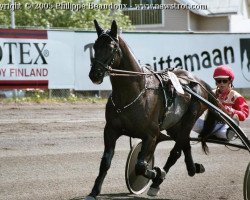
117	72
131	73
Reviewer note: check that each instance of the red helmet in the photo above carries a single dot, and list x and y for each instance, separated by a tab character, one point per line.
223	71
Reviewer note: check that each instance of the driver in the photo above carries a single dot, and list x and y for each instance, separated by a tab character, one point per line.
230	101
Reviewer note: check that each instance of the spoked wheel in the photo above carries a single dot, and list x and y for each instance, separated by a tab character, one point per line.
136	184
246	188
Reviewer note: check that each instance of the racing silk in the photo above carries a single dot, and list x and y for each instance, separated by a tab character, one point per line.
235	104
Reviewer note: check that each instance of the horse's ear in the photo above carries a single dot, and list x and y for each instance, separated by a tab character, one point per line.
99	30
113	31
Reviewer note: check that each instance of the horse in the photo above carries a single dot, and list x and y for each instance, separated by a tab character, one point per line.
141	106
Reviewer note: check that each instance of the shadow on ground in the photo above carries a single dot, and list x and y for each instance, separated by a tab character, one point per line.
120	196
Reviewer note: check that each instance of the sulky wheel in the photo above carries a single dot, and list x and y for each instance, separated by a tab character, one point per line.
246	188
136	184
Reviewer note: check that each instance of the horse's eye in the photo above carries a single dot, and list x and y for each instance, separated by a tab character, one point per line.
111	49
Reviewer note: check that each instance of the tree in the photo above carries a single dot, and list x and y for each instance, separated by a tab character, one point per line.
65	14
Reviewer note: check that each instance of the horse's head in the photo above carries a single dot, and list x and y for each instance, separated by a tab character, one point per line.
107	53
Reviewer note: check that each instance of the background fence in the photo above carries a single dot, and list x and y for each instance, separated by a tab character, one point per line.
52	94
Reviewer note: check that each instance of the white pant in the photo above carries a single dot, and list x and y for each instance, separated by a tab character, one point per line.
219	130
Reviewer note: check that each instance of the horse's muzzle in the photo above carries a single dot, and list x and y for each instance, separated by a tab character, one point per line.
96	76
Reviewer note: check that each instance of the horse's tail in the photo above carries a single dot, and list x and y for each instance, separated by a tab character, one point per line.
210	119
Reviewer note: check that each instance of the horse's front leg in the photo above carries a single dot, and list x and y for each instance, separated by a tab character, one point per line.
110	138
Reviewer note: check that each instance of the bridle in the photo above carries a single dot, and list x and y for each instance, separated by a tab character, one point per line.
116	50
108	64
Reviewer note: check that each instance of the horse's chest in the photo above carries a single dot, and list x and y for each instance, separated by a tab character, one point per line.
130	121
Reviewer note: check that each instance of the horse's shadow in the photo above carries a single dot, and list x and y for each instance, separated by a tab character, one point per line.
120	196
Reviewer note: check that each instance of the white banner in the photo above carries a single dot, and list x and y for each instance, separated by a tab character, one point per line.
197	53
61	59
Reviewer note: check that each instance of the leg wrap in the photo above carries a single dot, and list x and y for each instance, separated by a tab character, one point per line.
160	176
141	167
154	188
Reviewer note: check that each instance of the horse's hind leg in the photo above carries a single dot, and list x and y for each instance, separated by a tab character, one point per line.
188	121
192	167
175	154
110	138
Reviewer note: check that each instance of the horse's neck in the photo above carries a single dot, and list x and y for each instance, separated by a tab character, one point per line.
128	61
130	86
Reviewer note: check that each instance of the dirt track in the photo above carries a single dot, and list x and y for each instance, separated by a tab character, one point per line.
52	152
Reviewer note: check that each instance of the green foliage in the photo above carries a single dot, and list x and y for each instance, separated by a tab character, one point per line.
64	18
42	96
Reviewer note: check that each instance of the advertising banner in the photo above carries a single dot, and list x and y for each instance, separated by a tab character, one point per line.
61	59
22	63
198	53
32	59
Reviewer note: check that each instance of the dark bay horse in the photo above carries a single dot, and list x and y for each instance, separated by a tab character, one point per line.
137	108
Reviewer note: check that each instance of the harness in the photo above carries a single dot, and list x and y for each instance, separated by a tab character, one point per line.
119	110
162	76
146	87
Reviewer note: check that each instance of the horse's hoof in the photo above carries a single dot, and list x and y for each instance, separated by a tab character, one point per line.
191	173
153	191
90	198
199	168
